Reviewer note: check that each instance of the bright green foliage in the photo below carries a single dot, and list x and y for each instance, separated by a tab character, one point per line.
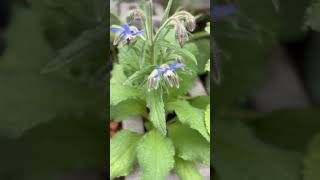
191	116
119	93
127	108
155	156
189	144
312	160
207	29
186	170
202	53
139	75
129	57
207	68
207	118
313	16
117	74
188	56
123	153
200	102
166	12
238	154
140	85
157	112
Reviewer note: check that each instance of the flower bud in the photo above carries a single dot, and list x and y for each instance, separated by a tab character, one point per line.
153	80
172	78
181	34
117	38
137	14
179	63
191	23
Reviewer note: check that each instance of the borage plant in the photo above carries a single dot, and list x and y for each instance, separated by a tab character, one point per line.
156	68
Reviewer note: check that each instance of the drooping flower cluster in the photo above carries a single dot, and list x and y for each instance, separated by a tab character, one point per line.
125	34
166	72
183	22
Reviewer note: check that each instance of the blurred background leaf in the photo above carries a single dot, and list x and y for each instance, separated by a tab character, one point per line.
28	97
238	154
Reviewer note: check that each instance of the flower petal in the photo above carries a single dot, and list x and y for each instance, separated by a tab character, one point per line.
126	29
114	30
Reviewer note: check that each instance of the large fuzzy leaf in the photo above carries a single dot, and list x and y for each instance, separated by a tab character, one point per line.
200	102
281	127
119	93
86	46
123	153
117	73
189	115
52	149
186	170
155	156
125	109
29	97
238	154
189	144
157	112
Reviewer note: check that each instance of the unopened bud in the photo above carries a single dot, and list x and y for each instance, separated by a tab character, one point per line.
172	78
117	38
191	23
181	33
135	15
153	80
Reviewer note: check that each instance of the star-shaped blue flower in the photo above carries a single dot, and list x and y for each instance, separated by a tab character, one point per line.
126	33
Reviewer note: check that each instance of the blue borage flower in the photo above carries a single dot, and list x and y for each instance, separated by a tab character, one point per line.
167	72
125	33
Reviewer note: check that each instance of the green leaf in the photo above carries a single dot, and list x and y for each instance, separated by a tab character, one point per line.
119	93
186	83
155	156
243	67
200	102
193	49
281	127
140	75
86	46
157	112
189	144
312	160
201	50
117	74
207	118
29	97
127	108
166	12
238	154
187	55
123	153
129	57
186	170
191	116
207	28
207	68
53	148
313	16
65	20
